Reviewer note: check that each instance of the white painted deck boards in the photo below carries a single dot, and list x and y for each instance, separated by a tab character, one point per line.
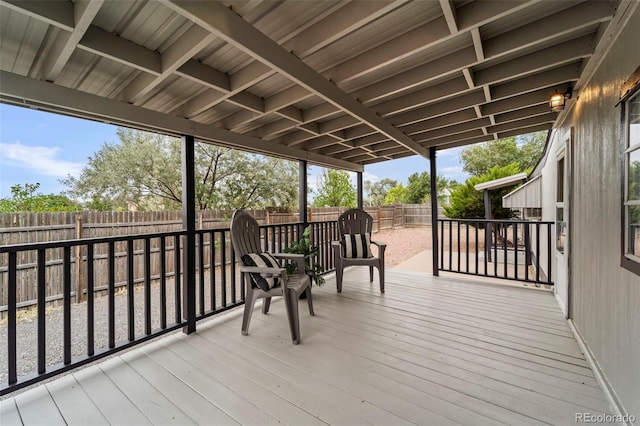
435	351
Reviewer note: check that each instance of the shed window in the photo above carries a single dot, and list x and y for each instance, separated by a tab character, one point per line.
632	178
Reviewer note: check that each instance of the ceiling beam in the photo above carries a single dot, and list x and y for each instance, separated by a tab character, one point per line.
478	123
468	100
550	117
65	44
449	12
521	113
564	22
390	52
562	53
25	91
59	14
223	22
436	69
440	121
536	81
103	43
180	52
540	96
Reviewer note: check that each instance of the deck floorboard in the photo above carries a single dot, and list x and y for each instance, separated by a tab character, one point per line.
431	350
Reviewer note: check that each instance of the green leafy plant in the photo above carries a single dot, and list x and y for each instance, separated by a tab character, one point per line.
305	247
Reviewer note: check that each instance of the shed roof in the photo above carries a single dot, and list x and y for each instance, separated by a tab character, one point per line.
502	182
342	84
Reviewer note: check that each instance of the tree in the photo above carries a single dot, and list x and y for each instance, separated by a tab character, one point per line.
395	195
25	199
378	191
468	203
418	188
143	171
525	151
335	190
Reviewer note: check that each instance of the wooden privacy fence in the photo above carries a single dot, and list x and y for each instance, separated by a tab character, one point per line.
29	228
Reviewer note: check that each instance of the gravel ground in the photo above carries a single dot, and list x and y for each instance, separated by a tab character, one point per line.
402	244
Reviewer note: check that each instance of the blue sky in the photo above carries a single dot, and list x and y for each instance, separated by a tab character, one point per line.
37	146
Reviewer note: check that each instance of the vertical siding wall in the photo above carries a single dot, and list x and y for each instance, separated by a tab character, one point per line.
605	297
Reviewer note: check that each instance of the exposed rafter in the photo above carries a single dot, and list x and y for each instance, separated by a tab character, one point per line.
229	26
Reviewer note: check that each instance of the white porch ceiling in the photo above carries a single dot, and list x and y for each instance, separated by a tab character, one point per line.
342	84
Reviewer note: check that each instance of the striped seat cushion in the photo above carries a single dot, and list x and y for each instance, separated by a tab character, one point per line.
357	246
262	260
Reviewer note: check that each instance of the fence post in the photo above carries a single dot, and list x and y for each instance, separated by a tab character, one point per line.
81	275
200	220
310	215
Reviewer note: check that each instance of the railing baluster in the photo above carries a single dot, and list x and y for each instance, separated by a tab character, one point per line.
90	301
147	285
131	313
515	248
66	301
495	230
527	252
200	239
163	283
475	230
12	294
538	252
223	255
450	246
232	261
111	302
549	251
41	295
212	268
505	229
458	245
467	244
176	279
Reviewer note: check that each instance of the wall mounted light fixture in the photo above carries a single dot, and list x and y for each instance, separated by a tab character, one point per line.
557	101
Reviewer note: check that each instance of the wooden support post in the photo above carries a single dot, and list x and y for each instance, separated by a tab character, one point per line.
189	240
302	193
434	211
359	189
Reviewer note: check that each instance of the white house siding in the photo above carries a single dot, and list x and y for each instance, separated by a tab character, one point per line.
605	298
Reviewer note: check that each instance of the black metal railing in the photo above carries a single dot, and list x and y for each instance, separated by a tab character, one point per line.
518	250
132	288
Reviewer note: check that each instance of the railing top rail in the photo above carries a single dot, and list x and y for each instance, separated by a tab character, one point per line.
511	221
14	248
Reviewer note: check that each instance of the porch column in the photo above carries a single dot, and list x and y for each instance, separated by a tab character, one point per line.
302	192
434	210
189	240
359	188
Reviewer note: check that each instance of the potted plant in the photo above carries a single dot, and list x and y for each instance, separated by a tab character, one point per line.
305	247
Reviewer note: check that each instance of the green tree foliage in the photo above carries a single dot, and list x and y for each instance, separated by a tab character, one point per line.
143	170
25	199
377	191
396	195
335	190
468	203
525	151
418	188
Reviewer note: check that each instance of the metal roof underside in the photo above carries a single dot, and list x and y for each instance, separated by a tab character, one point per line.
338	83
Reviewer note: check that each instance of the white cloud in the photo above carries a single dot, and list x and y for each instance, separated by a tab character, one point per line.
42	159
366	176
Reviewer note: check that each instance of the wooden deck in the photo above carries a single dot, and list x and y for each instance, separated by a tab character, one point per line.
434	351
